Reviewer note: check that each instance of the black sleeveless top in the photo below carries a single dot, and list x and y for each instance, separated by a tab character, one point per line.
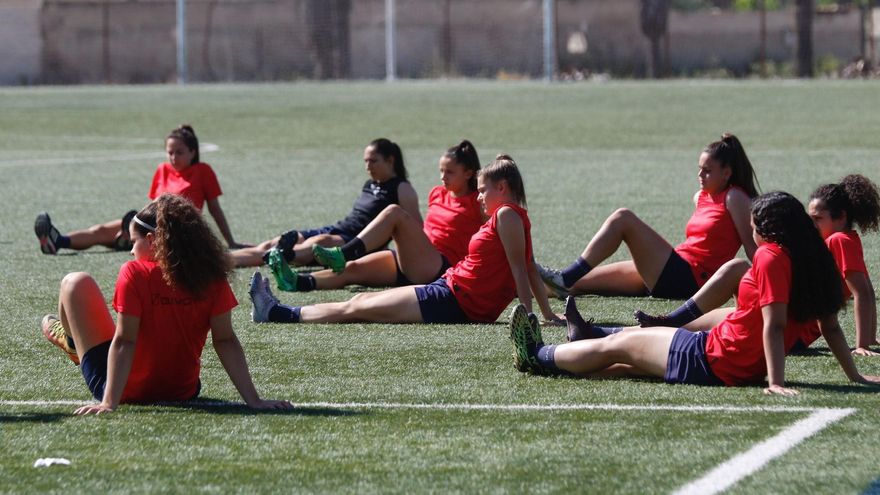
374	198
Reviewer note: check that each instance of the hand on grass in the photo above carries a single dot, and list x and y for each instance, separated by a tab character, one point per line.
870	380
864	351
94	409
554	320
271	404
780	390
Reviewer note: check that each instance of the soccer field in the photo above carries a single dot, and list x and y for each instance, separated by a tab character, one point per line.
422	408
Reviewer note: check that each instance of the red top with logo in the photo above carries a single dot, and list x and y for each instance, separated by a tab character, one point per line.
451	221
197	183
482	282
846	247
172	332
711	236
735	348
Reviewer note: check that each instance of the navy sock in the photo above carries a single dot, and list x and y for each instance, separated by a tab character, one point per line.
284	314
684	314
574	272
305	282
354	249
546	358
62	241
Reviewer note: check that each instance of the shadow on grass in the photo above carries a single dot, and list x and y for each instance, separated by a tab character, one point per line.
840	389
212	406
32	417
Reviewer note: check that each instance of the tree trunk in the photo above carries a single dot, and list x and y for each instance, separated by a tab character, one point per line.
804	16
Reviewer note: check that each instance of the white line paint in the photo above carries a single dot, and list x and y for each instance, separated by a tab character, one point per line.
472	407
738	467
115	156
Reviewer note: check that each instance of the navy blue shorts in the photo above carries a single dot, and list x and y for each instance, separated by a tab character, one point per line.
327	229
94	370
403	281
438	303
687	360
676	281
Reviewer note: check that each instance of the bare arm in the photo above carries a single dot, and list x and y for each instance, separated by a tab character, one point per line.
119	360
222	224
865	303
833	335
775	318
540	292
231	355
513	238
409	200
739	206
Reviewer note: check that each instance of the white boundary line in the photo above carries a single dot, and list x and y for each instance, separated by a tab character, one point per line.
717	480
740	466
103	156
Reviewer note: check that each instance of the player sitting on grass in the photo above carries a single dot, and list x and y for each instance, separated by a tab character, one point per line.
423	252
835	210
183	174
719	225
387	186
167	299
497	268
792	283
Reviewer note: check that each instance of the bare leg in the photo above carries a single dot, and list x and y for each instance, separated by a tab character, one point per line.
252	256
722	285
648	249
303	250
84	313
97	235
377	269
398	305
709	320
645	349
614	279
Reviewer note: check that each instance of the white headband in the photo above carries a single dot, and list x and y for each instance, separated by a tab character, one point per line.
144	224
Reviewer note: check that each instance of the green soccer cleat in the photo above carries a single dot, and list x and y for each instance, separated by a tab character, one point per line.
525	333
332	258
284	276
54	332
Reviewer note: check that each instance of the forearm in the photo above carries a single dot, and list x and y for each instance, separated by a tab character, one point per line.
222	224
865	310
774	353
234	362
119	360
540	293
837	343
523	292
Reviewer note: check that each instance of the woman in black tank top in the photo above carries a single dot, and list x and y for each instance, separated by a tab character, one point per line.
387	185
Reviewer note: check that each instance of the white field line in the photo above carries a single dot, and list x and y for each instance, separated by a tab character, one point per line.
738	467
117	156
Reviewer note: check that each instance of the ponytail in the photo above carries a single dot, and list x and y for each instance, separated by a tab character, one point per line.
729	153
504	168
389	149
187	135
855	195
465	155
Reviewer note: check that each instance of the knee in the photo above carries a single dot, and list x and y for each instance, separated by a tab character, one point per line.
621	216
736	267
73	282
394	211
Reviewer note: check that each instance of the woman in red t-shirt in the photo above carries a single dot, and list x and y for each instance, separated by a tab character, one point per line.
422	252
835	210
498	268
792	283
183	174
715	232
167	299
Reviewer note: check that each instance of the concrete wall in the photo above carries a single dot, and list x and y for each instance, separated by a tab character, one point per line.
133	41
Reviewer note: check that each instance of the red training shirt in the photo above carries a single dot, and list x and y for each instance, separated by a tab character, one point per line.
735	348
172	333
451	221
711	236
197	183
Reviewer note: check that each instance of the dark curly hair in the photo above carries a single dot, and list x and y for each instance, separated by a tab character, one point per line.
465	155
816	290
855	195
187	136
729	153
190	255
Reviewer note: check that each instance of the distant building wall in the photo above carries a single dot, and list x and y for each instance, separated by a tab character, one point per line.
20	41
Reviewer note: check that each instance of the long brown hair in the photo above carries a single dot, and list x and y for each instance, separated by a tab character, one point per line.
504	168
729	152
190	255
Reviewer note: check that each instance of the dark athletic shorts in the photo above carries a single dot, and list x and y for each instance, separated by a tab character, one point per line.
402	281
687	360
327	229
438	304
94	370
676	281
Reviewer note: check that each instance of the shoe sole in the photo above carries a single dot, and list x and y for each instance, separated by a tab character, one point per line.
519	319
43	229
256	280
46	326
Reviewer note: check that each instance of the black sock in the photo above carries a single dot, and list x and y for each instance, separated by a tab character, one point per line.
574	272
286	243
354	249
305	282
684	314
546	358
284	314
61	241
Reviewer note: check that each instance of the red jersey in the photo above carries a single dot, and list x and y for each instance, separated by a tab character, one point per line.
482	282
846	247
451	221
711	236
197	183
735	348
172	333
